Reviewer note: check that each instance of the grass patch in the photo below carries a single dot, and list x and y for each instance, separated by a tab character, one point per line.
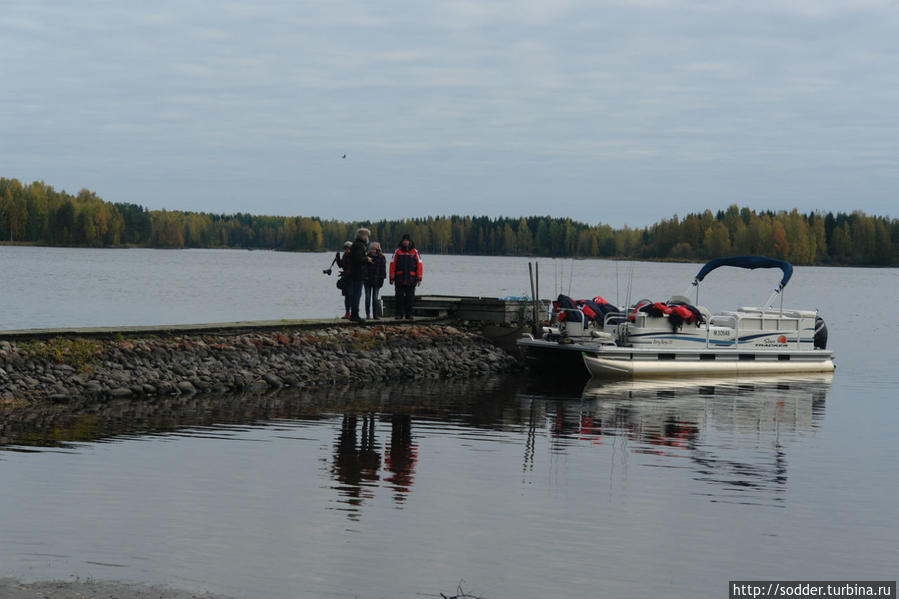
77	353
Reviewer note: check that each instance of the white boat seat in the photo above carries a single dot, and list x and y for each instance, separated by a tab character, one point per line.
776	311
706	313
602	336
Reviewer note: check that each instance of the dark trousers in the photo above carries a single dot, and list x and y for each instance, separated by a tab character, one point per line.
355	296
405	297
346	297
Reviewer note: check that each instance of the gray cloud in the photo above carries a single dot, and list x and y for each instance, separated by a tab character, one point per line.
622	112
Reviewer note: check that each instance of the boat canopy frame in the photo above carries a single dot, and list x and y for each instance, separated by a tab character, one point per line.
749	262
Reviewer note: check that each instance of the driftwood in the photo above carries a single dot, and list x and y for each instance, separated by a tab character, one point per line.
460	594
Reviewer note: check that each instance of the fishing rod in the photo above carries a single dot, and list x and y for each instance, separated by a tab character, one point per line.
570	276
617	286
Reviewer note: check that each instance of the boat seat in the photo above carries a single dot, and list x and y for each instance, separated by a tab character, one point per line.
706	313
602	337
679	299
723	319
776	311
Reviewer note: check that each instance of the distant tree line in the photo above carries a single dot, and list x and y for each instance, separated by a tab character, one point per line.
36	213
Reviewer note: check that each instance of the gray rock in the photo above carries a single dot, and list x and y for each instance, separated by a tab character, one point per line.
186	387
272	380
257	386
120	392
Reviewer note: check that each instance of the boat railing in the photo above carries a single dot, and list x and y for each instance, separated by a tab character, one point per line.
618	318
783	318
788	322
572	328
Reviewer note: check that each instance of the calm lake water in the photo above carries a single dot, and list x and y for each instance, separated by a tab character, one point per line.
518	487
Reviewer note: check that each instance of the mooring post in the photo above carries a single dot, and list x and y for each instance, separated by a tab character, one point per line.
538	330
533	292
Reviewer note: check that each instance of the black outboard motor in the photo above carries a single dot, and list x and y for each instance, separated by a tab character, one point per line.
820	333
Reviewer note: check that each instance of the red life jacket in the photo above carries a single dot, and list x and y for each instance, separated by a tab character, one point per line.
406	267
589	312
683	313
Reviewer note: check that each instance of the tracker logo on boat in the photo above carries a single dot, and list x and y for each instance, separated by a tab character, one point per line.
782	340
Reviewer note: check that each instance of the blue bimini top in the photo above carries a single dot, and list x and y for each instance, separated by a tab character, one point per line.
751	262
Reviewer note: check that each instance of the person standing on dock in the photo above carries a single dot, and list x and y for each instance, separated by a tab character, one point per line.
358	265
374	280
405	275
343	282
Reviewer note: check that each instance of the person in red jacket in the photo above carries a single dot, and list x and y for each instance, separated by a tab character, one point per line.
405	276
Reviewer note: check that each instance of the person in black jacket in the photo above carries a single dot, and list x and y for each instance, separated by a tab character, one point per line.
358	260
374	280
343	262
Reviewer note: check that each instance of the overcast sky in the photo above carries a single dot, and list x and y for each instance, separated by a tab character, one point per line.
621	112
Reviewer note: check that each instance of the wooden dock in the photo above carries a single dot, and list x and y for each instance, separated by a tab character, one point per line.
427	308
480	309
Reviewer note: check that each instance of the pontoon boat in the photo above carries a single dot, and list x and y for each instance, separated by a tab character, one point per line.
680	337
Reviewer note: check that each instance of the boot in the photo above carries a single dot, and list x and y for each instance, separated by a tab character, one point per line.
347	315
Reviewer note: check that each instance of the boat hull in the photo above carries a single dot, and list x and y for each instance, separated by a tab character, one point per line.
563	359
629	362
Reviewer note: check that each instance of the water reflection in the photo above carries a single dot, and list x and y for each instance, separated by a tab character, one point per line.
730	432
401	456
731	435
356	464
358	459
674	411
474	402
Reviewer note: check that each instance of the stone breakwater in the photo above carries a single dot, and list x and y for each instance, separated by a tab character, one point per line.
61	369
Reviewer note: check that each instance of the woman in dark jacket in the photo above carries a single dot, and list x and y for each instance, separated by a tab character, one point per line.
374	280
358	265
343	263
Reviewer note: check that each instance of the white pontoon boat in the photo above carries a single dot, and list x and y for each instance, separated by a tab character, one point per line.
682	338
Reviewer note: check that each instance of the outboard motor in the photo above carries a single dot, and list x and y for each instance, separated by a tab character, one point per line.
820	333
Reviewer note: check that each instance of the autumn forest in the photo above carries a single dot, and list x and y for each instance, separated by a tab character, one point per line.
37	214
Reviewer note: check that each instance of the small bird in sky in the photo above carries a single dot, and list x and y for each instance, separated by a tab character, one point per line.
344	156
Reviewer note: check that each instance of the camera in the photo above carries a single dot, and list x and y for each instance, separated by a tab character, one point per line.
327	271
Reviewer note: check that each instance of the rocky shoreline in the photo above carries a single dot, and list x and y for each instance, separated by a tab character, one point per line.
64	368
10	588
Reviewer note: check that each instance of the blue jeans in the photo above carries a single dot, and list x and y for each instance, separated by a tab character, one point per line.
371	301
